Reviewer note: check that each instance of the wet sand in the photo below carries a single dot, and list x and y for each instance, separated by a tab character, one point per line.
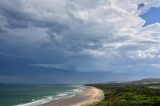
89	96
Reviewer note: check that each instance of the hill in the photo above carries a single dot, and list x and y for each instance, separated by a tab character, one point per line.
147	81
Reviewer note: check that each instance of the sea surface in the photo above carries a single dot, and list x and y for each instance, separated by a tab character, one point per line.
34	95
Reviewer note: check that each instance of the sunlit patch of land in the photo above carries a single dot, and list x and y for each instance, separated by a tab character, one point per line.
154	87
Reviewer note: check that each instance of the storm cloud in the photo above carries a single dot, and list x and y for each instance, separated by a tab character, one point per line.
83	36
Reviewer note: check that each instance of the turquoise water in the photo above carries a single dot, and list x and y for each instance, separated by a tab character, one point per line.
29	95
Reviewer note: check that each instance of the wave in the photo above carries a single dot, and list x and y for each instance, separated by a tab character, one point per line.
59	96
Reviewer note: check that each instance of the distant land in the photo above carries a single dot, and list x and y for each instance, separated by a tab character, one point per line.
147	81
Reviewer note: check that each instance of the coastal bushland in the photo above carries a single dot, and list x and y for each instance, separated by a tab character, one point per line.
126	94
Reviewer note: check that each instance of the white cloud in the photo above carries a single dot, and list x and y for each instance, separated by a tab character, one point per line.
62	30
144	54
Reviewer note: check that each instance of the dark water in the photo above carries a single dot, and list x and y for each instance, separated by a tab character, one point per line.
11	95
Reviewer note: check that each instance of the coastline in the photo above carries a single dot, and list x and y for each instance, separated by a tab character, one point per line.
94	95
90	95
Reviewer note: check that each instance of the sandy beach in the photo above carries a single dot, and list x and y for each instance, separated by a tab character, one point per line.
89	96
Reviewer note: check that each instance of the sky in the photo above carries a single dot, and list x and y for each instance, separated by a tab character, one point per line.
79	41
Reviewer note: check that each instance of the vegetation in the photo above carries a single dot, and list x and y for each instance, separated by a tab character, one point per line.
129	94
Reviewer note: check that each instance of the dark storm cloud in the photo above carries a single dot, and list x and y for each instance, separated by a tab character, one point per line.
78	36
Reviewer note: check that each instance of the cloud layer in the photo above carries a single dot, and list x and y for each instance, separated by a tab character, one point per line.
81	35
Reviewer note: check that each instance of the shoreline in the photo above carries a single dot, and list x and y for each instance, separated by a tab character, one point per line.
94	95
90	95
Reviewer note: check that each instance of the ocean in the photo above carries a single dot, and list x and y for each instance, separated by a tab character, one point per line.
34	95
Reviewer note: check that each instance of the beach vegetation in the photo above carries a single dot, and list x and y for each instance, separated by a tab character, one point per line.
125	94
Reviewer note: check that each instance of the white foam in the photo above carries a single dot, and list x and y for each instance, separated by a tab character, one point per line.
47	99
39	102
